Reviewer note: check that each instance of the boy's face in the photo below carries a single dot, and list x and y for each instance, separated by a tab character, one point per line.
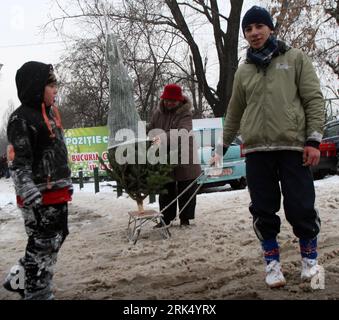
50	93
257	34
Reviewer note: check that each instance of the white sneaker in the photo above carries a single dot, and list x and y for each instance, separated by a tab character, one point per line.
309	268
274	276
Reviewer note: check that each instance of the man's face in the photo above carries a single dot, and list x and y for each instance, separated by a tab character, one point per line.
50	93
257	34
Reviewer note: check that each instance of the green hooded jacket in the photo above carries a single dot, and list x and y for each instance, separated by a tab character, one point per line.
279	109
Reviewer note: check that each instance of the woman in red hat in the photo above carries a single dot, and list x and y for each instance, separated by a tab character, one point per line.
174	112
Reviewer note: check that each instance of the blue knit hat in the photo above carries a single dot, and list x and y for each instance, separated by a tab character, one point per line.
257	15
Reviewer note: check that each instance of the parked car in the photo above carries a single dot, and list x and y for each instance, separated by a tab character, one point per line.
331	133
329	150
233	168
328	161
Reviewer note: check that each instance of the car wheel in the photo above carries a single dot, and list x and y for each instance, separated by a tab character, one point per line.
238	184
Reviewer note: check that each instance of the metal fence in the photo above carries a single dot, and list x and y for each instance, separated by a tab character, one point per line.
117	188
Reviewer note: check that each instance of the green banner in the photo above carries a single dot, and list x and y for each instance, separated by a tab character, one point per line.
85	146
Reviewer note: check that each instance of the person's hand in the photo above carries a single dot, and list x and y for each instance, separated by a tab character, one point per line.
156	140
311	156
215	160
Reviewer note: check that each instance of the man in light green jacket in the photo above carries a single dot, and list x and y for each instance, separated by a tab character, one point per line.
277	105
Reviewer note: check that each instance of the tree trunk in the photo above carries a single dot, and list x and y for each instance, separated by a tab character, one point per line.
227	45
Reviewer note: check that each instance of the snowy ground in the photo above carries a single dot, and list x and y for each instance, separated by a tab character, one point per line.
217	257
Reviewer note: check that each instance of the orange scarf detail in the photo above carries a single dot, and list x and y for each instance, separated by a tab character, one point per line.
56	118
10	153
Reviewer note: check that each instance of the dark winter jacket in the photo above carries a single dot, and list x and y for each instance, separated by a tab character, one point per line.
40	161
180	118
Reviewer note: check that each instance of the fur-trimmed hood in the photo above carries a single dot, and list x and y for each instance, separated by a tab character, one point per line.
184	106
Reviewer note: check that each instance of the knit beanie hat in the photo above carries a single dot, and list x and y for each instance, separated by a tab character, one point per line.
172	92
257	15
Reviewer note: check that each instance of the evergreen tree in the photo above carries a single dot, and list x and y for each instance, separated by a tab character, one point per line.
139	180
130	158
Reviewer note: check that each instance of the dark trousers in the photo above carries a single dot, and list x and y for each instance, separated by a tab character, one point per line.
173	190
47	228
264	171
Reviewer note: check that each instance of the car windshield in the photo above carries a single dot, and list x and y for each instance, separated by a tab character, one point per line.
331	130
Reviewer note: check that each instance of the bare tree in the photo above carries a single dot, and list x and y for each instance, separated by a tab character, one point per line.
312	26
200	106
145	48
172	17
332	10
84	85
226	44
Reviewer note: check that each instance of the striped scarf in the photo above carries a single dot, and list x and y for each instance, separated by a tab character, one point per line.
262	57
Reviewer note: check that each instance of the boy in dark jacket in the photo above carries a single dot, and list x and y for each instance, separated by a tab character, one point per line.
38	163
